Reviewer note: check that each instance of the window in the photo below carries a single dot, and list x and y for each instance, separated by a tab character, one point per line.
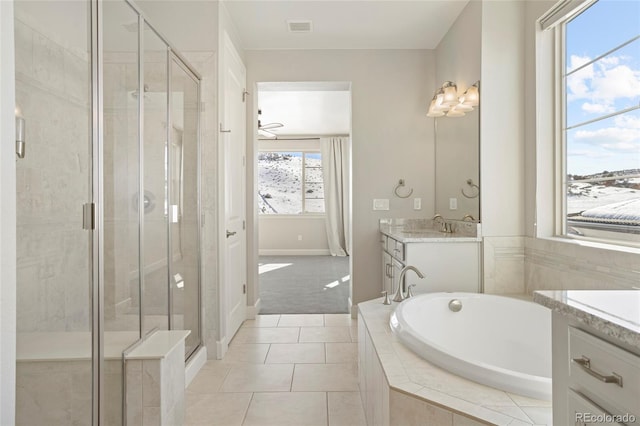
601	121
290	182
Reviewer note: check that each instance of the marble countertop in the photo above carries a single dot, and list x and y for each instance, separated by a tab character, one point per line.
424	231
407	372
615	313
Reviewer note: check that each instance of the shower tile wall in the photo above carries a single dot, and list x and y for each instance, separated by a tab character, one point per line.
52	184
120	188
206	64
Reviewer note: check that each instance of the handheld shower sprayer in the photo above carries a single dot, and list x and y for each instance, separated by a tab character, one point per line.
20	133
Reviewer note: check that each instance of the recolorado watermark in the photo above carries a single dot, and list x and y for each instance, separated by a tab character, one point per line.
605	418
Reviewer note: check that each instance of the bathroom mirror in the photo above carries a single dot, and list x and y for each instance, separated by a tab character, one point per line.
457	158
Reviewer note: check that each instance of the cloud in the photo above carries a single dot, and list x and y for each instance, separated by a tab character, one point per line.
590	154
602	83
617	139
602	108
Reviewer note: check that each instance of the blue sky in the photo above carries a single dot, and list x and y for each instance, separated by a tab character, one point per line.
608	85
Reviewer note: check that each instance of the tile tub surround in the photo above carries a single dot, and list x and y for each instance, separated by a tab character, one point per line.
282	370
614	313
416	384
425	230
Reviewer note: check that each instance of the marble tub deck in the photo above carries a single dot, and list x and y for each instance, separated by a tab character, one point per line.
408	373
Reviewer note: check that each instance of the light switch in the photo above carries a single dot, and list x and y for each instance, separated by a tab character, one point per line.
417	203
453	204
381	204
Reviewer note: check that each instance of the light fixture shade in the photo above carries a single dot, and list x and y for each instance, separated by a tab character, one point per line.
464	108
433	111
472	96
450	97
455	112
439	105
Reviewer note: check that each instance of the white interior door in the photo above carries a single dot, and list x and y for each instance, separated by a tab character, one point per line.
233	136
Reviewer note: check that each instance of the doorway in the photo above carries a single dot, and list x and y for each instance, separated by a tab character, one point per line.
303	197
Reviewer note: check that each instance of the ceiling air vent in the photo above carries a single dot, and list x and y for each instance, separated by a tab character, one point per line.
299	26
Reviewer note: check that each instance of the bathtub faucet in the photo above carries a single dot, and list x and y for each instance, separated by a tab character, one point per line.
400	293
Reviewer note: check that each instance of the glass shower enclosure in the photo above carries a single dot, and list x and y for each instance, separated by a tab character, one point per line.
108	204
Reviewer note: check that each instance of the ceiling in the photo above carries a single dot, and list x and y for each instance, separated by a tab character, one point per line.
344	24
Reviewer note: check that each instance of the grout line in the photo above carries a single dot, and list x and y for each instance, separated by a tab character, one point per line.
293	374
244	418
267	354
326	397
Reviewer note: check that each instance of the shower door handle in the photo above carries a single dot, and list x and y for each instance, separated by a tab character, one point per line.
230	234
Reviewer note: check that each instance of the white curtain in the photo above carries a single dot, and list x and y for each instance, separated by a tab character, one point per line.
335	170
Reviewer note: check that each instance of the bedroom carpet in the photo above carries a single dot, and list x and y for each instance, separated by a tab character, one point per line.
304	284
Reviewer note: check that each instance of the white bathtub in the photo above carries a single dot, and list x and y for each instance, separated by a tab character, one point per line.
498	341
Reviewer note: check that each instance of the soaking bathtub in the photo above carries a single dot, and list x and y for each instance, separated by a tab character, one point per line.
498	341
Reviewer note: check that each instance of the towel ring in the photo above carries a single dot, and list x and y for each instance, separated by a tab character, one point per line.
401	185
473	186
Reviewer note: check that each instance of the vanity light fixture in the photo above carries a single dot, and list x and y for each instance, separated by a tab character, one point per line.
446	100
471	96
450	97
434	111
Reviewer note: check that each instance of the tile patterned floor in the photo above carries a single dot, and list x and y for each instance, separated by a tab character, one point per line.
282	370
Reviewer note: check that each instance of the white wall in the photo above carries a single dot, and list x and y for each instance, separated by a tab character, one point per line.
391	137
7	218
502	146
286	235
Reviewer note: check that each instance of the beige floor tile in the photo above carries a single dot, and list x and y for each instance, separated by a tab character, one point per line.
296	353
342	352
301	320
287	409
223	409
353	330
267	335
345	409
263	321
325	334
325	377
339	320
246	353
210	378
259	378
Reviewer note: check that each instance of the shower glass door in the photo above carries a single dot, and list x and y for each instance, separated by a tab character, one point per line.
184	207
54	267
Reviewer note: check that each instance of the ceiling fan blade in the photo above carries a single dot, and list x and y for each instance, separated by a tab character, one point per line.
271	126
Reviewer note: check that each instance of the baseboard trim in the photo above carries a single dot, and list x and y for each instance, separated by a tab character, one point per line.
221	348
197	361
254	310
294	252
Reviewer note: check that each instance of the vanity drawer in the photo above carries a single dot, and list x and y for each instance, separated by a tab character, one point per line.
605	373
395	248
582	412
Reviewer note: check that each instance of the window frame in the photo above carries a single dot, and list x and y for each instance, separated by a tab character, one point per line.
303	182
563	227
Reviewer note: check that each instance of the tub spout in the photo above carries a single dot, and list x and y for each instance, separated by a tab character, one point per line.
400	293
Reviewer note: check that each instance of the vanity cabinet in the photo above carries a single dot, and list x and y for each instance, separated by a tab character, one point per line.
452	265
595	381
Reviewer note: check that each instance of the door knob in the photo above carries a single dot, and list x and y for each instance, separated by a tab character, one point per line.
230	234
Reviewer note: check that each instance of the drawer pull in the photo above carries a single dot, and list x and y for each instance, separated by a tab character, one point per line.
585	364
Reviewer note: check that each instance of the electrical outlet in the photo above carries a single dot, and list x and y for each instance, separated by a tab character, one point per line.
299	237
453	204
381	204
417	203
